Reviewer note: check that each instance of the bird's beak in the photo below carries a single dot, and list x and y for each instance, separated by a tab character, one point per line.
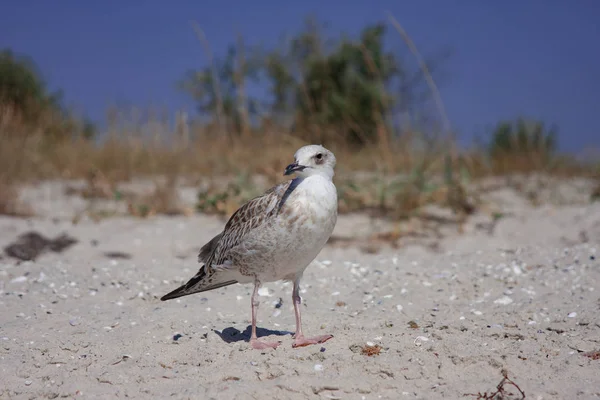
290	169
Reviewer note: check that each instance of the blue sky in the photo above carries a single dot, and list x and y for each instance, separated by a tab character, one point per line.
532	57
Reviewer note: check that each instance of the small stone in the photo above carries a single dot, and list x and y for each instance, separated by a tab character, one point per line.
505	300
19	279
517	270
572	315
420	339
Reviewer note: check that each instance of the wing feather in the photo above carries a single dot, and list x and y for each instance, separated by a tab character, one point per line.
214	253
247	218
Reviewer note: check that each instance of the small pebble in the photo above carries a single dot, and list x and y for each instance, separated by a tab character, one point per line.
505	300
177	337
517	270
318	367
420	339
572	315
28	382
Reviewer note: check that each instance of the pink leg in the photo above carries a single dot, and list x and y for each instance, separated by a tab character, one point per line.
299	339
254	342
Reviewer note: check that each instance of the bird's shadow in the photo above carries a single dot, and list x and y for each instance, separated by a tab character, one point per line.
231	334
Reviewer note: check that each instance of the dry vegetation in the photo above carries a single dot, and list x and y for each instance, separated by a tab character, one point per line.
396	184
387	171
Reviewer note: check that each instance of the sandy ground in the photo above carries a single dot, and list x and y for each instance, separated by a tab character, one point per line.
524	298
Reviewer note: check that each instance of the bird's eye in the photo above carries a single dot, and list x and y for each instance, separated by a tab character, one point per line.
319	156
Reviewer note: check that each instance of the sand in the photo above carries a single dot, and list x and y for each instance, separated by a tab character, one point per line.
521	299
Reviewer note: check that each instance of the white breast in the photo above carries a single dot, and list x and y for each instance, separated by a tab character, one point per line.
305	224
316	198
283	248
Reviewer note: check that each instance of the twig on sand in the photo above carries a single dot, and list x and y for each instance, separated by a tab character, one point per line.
500	392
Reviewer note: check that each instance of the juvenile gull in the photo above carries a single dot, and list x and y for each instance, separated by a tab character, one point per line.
274	236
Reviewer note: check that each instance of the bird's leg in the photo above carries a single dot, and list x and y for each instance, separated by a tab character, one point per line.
299	339
254	342
297	300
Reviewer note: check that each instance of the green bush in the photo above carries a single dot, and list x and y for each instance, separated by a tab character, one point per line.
523	137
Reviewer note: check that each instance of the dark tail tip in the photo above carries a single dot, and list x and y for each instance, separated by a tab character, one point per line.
173	295
180	291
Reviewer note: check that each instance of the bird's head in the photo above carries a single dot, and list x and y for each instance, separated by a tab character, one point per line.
312	160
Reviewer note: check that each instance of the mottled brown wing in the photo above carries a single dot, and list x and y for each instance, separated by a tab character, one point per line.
209	248
248	217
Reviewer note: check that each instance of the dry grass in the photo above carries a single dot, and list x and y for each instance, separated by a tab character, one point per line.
163	200
395	186
392	175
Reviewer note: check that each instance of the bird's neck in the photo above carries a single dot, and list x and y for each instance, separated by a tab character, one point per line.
318	185
325	174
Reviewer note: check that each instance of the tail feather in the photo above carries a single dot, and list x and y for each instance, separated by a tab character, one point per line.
201	282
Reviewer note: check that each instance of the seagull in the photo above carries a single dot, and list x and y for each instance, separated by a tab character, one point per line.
274	237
